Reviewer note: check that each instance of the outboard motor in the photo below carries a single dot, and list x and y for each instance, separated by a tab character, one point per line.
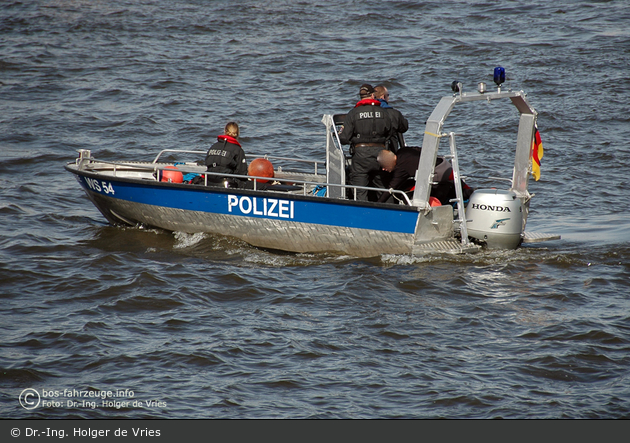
495	216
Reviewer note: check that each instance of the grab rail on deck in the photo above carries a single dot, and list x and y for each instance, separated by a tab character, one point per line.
154	167
265	156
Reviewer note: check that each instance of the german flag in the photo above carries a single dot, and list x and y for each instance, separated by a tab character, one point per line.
536	154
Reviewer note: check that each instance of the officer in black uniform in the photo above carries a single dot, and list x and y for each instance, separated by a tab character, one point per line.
226	155
400	124
366	128
403	166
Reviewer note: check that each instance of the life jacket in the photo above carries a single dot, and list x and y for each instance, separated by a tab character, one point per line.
229	139
372	123
226	155
367	101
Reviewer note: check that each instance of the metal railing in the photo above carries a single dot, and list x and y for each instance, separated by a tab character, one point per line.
265	156
153	167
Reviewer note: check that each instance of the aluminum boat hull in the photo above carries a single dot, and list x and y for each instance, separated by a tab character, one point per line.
273	220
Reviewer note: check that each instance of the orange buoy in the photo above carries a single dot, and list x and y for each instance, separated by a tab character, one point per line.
434	201
260	167
172	175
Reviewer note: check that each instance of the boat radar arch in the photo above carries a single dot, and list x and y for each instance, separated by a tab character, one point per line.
433	134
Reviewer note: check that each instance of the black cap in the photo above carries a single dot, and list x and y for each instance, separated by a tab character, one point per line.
366	89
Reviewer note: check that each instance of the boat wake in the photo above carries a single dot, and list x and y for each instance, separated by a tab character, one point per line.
184	240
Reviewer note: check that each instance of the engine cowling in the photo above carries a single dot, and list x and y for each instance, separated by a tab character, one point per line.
495	217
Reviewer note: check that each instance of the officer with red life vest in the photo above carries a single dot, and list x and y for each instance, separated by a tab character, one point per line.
365	128
226	155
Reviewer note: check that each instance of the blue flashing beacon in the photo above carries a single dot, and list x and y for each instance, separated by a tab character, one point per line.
499	75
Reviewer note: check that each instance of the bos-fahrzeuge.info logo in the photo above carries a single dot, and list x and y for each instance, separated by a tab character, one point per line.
91	399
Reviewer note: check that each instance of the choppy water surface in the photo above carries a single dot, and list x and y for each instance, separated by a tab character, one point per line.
209	327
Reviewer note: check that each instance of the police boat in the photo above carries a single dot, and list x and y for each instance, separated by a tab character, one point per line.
306	206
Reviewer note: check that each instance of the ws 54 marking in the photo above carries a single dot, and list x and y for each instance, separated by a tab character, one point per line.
99	186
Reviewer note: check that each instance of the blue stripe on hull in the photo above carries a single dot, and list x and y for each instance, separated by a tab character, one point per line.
272	206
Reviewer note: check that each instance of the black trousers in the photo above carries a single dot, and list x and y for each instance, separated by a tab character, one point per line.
365	170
